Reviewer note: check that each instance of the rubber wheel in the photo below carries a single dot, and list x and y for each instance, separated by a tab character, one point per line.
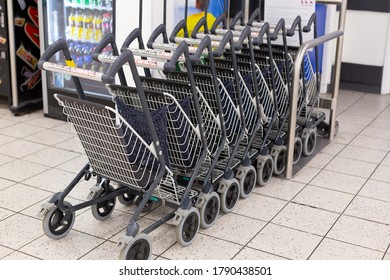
209	211
280	161
248	182
323	128
148	206
103	210
127	198
230	196
140	248
297	150
309	143
188	227
52	225
264	173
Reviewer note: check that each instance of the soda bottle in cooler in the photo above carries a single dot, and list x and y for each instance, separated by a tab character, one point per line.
97	27
88	26
79	25
106	24
72	24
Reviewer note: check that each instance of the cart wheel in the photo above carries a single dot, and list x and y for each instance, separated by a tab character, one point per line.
297	150
323	128
247	181
265	169
280	161
53	224
309	143
209	211
140	248
103	210
188	227
148	206
127	198
230	196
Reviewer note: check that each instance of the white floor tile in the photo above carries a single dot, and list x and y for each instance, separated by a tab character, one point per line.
386	161
20	148
5	159
6	123
371	143
376	132
5	183
106	251
306	219
387	257
5	213
207	248
332	149
51	157
19	256
361	232
280	188
338	181
344	137
382	173
234	228
349	118
4	251
324	199
351	167
285	242
252	254
6	139
370	209
363	154
381	123
44	122
72	144
52	180
21	130
319	161
71	247
377	190
19	170
351	128
330	249
74	165
259	207
49	137
65	127
306	174
19	197
18	230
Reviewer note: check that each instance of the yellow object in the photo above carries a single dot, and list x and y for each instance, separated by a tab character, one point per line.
193	19
70	63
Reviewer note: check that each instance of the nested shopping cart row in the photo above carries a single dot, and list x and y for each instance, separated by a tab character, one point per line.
200	133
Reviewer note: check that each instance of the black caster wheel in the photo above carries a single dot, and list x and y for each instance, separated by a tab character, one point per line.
298	147
139	248
280	160
127	198
103	210
247	181
188	227
230	196
148	206
309	143
55	225
265	169
209	211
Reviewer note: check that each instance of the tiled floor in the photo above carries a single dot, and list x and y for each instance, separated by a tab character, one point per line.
336	207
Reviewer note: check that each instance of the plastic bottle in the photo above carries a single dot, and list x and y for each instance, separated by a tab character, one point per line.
79	25
97	27
106	23
72	24
88	26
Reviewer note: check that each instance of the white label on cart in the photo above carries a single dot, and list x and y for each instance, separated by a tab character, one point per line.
78	72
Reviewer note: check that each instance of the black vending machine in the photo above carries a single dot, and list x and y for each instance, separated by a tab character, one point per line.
19	53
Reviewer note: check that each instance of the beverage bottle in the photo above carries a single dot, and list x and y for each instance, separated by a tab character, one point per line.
88	26
72	24
79	25
106	23
97	27
87	3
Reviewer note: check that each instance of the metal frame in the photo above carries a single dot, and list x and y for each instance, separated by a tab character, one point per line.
330	103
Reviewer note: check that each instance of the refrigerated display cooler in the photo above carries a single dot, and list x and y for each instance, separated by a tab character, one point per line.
20	78
82	23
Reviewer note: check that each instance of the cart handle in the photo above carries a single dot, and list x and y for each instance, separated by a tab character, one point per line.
256	15
278	27
201	23
297	23
245	34
135	34
239	16
220	19
258	41
160	30
182	25
59	45
107	40
311	21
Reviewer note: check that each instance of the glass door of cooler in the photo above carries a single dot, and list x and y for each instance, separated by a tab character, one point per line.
82	23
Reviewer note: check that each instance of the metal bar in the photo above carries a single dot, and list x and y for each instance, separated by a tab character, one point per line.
331	2
294	93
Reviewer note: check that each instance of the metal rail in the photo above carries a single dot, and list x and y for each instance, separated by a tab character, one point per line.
336	81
